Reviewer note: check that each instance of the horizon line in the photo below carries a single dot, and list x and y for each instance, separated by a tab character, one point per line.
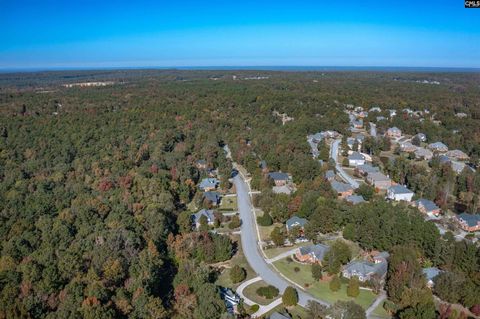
298	68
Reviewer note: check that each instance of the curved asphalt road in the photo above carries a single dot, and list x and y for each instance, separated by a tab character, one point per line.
338	166
251	249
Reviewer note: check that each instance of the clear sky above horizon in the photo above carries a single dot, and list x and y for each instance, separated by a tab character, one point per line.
56	34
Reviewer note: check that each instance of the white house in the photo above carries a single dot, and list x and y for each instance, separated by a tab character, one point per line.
399	193
355	159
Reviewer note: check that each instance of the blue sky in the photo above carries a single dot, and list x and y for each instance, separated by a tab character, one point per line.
57	34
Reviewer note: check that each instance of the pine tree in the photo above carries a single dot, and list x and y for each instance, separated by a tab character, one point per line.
353	289
335	284
290	297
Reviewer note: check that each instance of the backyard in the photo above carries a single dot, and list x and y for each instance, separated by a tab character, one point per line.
320	289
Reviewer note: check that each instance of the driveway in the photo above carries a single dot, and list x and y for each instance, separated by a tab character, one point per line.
334	154
251	249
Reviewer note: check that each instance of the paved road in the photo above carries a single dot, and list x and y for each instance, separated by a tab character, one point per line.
334	154
381	297
251	249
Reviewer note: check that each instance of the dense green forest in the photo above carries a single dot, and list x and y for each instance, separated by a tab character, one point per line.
93	181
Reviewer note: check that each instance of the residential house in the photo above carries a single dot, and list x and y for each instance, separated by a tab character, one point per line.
375	109
212	197
381	118
461	115
312	254
350	142
423	153
209	215
457	155
230	298
263	166
407	147
285	189
343	190
394	132
209	184
430	274
366	169
356	159
330	175
438	147
360	138
421	137
357	123
469	222
277	315
365	270
427	207
201	164
392	113
379	180
399	193
295	221
457	166
355	199
279	178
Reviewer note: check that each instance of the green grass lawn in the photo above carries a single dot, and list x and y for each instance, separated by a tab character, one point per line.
228	204
297	312
272	252
251	293
238	259
379	312
265	231
321	289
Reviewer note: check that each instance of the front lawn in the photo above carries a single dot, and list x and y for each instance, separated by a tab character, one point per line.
228	203
251	293
380	312
320	289
272	252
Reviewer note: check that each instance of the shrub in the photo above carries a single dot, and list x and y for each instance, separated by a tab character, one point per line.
290	297
254	308
317	272
237	274
335	284
353	289
289	259
265	220
268	292
345	162
296	269
235	223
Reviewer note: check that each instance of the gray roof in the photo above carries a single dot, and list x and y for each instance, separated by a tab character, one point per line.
367	168
355	199
295	221
431	273
394	129
204	212
277	315
341	187
443	159
209	182
212	196
278	176
437	145
427	204
263	164
472	220
378	177
400	189
356	156
329	174
319	250
366	268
